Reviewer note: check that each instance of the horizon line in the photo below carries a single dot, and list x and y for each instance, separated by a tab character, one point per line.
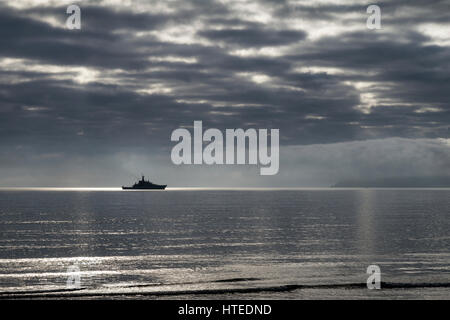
205	188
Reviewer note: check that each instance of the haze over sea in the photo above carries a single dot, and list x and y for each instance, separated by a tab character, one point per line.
228	243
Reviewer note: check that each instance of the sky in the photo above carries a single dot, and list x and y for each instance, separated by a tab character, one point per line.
96	107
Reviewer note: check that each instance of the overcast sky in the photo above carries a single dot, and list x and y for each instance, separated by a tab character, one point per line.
95	106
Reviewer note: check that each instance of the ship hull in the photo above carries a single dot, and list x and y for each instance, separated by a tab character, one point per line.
155	187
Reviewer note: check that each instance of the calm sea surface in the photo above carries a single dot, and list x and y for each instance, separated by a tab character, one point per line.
273	244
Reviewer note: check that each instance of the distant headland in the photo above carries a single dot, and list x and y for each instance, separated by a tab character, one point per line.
397	182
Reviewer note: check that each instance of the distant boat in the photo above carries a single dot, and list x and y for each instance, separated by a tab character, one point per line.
145	185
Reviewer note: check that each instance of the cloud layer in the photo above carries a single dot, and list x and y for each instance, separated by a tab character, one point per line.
139	69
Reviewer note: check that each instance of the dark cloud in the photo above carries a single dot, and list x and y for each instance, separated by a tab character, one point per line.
254	37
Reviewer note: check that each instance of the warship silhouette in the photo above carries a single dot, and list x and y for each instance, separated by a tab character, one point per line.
145	185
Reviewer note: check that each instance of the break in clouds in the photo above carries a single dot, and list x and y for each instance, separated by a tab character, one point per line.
91	107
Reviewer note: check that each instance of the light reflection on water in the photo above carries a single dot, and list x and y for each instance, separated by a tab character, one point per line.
135	242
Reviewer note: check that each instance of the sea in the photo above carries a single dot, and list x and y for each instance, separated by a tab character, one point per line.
193	243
